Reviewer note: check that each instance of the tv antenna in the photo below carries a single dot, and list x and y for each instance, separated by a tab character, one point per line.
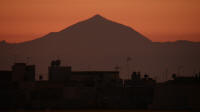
128	60
117	68
27	59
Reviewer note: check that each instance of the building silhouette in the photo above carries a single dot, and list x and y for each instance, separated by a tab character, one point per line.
58	72
67	89
23	72
179	93
5	76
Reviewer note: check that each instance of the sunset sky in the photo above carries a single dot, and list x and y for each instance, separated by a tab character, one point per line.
159	20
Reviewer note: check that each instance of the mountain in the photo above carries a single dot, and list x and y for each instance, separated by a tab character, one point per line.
100	44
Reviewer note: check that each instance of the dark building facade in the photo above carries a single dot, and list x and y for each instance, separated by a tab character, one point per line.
179	93
5	76
139	92
67	89
23	72
58	72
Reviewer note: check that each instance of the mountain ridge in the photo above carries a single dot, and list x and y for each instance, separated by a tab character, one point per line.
94	20
95	17
103	44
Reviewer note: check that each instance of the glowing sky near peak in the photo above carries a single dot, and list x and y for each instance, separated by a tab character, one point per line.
159	20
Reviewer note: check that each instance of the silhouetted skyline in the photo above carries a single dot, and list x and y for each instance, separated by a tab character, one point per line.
68	89
99	54
101	44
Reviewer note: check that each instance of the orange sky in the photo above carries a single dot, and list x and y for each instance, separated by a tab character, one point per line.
159	20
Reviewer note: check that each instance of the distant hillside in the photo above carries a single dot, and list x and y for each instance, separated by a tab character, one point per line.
101	44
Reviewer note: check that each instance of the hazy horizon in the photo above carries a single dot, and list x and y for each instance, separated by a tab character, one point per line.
160	21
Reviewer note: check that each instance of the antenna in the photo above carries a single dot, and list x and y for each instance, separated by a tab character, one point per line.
15	59
88	67
179	70
194	71
117	68
27	59
128	59
166	73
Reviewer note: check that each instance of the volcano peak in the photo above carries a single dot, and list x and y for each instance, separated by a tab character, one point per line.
97	17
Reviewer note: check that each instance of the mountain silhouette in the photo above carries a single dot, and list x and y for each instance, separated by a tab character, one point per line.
100	44
97	28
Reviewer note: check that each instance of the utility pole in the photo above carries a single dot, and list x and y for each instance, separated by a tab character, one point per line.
117	68
15	59
166	74
128	59
27	59
179	70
